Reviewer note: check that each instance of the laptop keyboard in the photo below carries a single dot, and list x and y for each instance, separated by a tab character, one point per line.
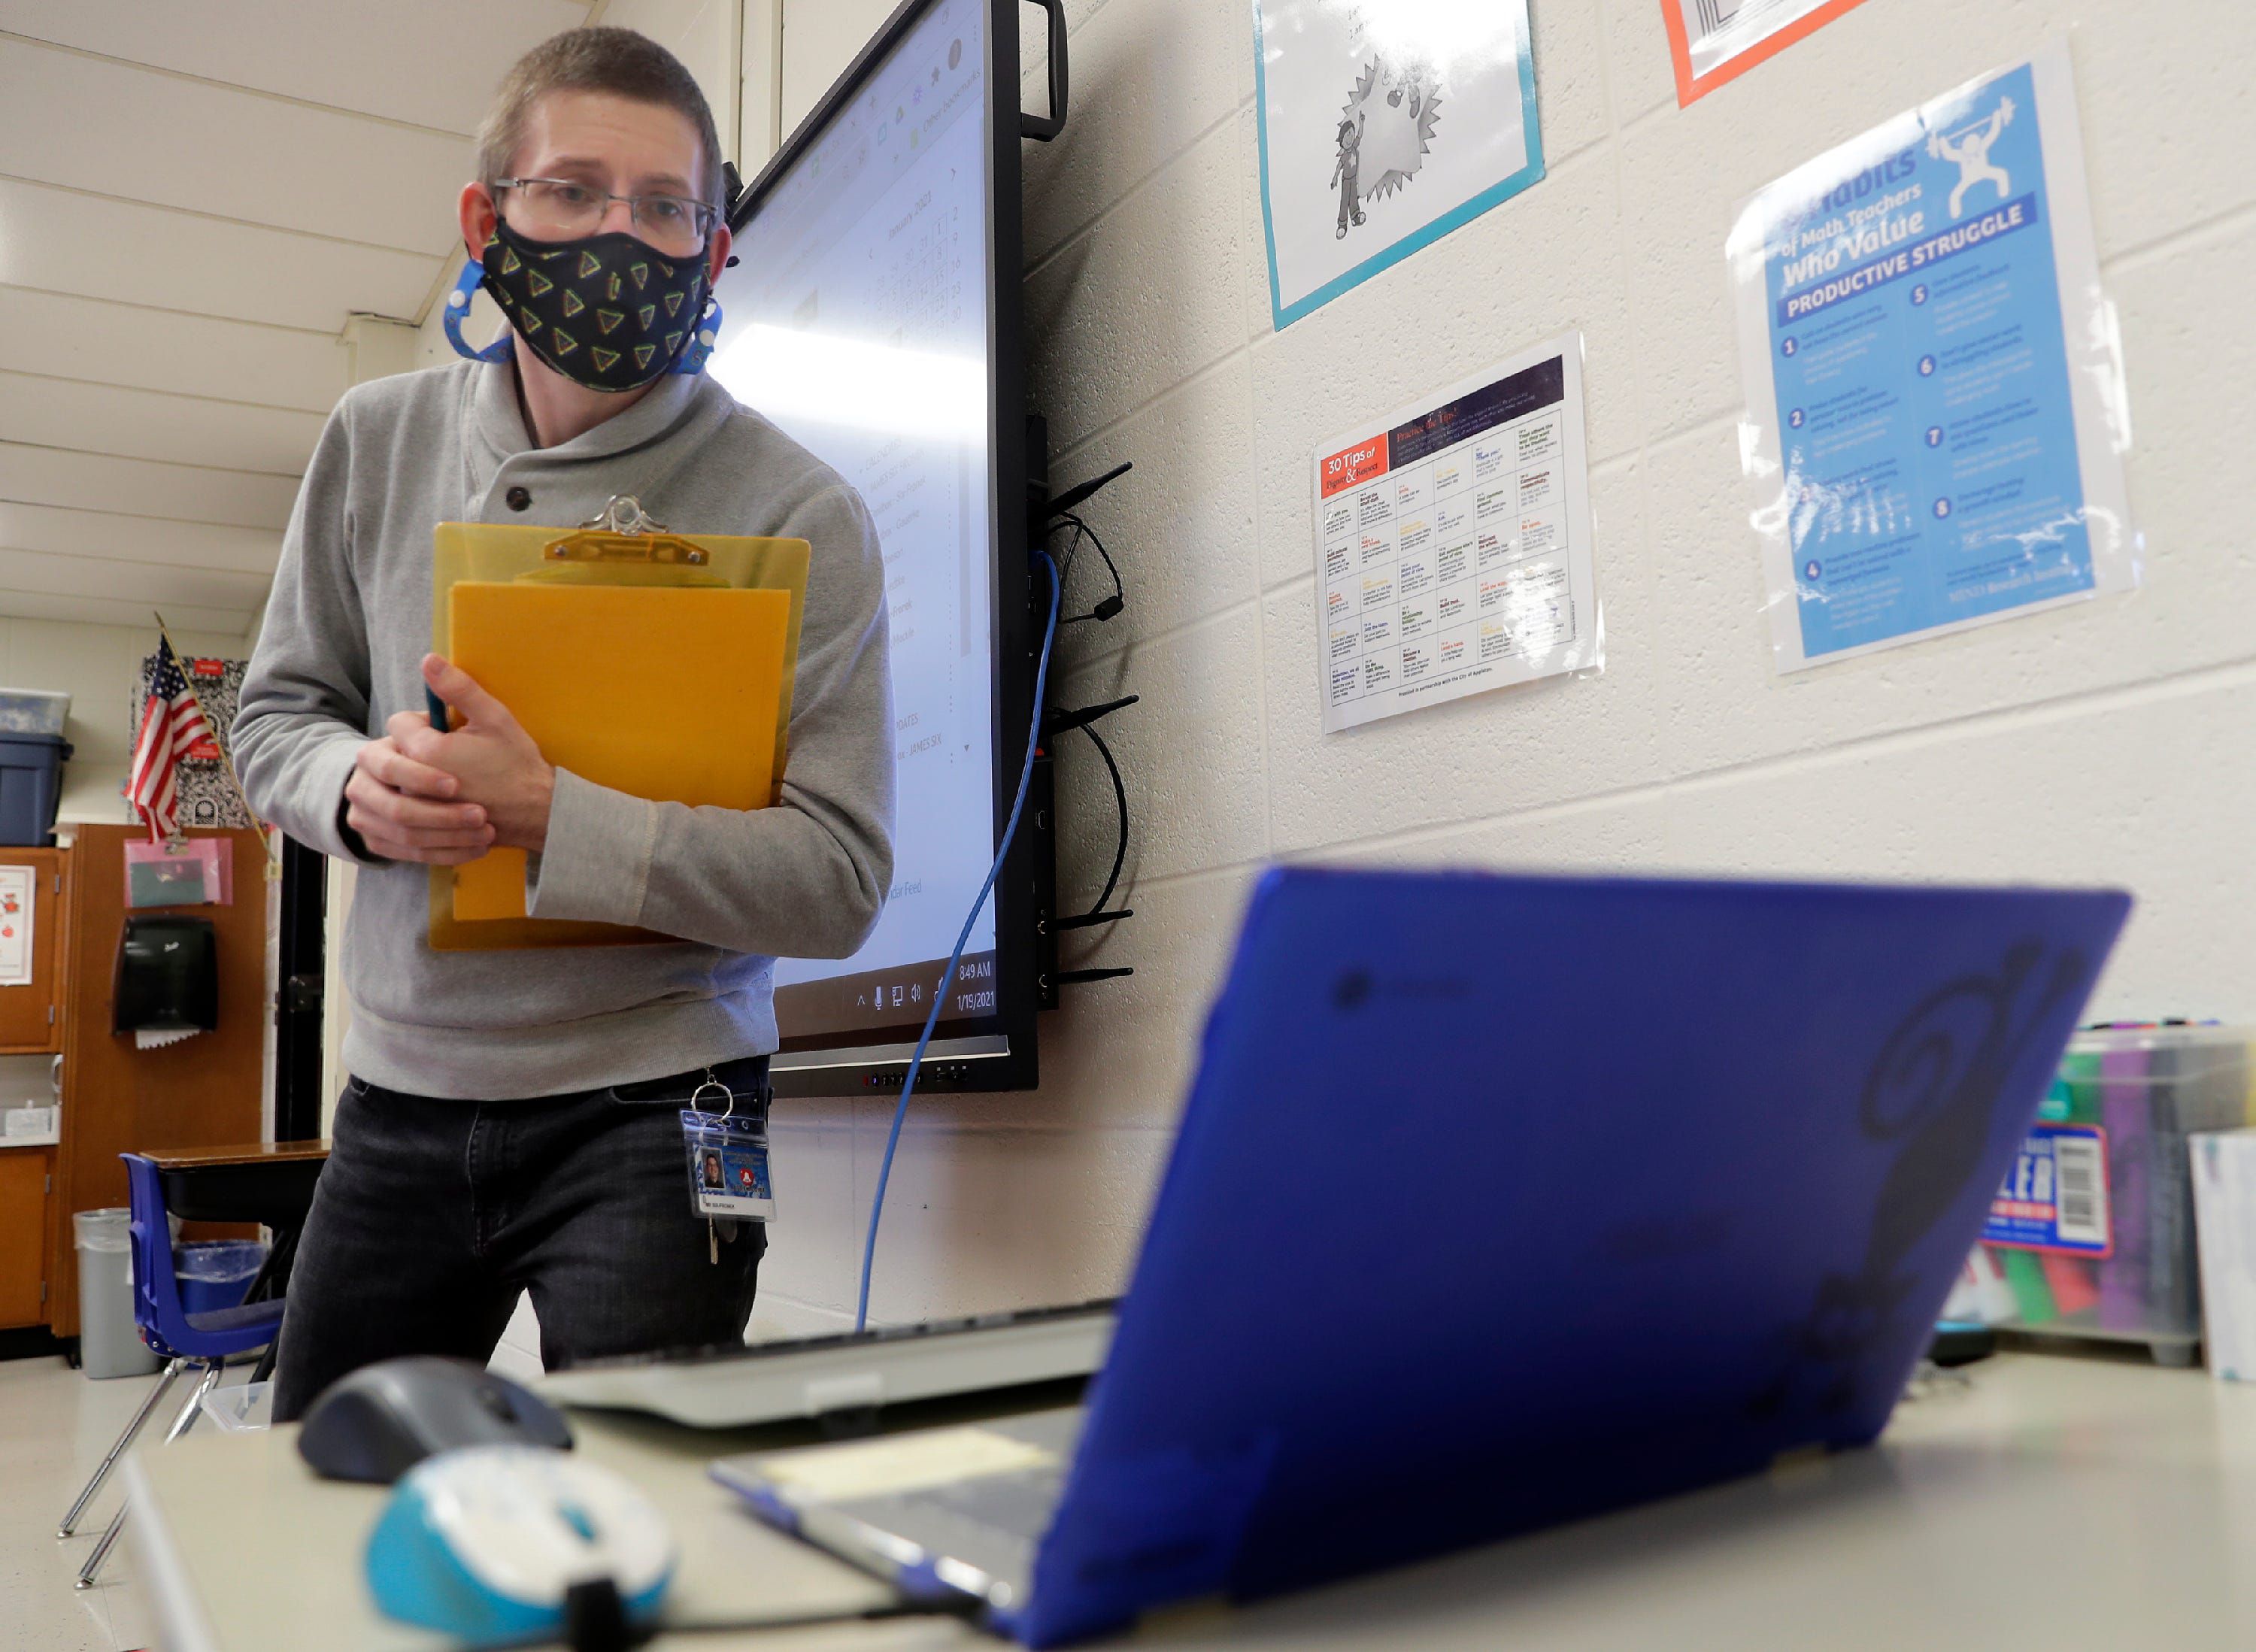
994	1523
1016	1505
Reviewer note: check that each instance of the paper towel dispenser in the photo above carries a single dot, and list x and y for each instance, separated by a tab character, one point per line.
167	984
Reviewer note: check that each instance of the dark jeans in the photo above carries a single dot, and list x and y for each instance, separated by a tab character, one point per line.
431	1215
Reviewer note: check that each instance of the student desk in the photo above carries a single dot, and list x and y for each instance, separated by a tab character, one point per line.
2083	1501
270	1183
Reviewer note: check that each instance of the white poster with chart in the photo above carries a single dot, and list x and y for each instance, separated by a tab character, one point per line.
1453	543
1384	127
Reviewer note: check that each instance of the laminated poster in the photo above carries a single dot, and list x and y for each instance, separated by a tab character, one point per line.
16	909
1453	543
1384	126
1710	41
1936	417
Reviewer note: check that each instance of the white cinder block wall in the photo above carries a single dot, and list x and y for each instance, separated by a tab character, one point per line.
2108	744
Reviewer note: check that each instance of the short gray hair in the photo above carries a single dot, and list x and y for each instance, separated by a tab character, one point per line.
619	61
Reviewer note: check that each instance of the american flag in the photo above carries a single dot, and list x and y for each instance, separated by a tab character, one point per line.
171	724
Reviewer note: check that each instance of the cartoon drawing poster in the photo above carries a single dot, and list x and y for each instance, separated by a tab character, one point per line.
1384	126
1934	415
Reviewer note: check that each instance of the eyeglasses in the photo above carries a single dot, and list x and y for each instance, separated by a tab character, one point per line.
562	207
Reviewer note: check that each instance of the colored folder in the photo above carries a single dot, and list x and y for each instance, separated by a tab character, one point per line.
658	665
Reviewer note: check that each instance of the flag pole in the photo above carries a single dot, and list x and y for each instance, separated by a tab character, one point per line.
226	757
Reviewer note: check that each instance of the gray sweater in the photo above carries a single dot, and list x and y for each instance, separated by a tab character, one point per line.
349	620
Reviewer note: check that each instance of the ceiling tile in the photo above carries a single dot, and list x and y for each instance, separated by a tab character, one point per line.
148	583
135	133
136	487
142	424
64	336
35	654
433	62
136	539
125	611
66	242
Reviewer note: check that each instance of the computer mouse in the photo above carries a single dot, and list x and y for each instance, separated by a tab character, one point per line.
384	1419
482	1543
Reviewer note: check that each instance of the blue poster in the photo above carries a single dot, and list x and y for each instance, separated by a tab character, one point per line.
1937	445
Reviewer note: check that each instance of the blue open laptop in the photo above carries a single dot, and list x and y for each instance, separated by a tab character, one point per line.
1496	1202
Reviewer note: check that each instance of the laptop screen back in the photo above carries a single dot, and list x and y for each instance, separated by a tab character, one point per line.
1499	1201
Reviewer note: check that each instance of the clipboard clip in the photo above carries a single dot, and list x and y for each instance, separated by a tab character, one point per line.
624	531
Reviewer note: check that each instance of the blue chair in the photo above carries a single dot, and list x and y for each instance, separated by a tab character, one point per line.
178	1337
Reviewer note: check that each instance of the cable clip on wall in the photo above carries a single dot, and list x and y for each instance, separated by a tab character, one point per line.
1056	515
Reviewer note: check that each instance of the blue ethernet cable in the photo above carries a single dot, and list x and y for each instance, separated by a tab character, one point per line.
938	997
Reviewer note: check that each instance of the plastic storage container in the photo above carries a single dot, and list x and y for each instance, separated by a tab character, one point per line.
241	1408
2092	1234
216	1273
34	712
108	1342
28	1124
31	785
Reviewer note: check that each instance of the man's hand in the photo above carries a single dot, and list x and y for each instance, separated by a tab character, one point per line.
490	762
444	799
406	810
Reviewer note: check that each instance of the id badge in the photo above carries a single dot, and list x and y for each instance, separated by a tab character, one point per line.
728	1164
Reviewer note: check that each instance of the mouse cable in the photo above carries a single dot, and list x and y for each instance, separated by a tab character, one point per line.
956	957
812	1620
596	1620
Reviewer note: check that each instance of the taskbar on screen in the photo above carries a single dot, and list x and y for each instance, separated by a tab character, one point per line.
873	1000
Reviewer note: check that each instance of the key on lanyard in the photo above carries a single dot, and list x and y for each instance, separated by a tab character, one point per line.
729	1173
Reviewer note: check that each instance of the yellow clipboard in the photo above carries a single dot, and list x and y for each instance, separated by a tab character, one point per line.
658	664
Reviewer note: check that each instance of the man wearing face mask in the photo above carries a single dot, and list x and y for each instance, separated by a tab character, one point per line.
511	1123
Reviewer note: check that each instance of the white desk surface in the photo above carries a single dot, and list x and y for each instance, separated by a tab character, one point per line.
2058	1502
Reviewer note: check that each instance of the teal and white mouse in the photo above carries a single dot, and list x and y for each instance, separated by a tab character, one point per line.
481	1543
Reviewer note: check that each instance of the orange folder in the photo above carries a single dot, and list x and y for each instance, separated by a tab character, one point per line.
662	693
649	663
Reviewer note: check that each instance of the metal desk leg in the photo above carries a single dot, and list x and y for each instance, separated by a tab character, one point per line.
273	1281
181	1425
125	1441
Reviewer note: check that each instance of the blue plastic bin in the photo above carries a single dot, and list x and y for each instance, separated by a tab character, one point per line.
31	785
216	1273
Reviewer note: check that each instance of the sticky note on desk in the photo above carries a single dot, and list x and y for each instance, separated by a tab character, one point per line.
899	1463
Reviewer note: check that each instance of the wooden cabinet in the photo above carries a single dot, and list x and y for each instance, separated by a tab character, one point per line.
29	1014
26	1178
117	1098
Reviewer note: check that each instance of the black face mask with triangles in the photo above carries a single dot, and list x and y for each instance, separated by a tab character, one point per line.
605	311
